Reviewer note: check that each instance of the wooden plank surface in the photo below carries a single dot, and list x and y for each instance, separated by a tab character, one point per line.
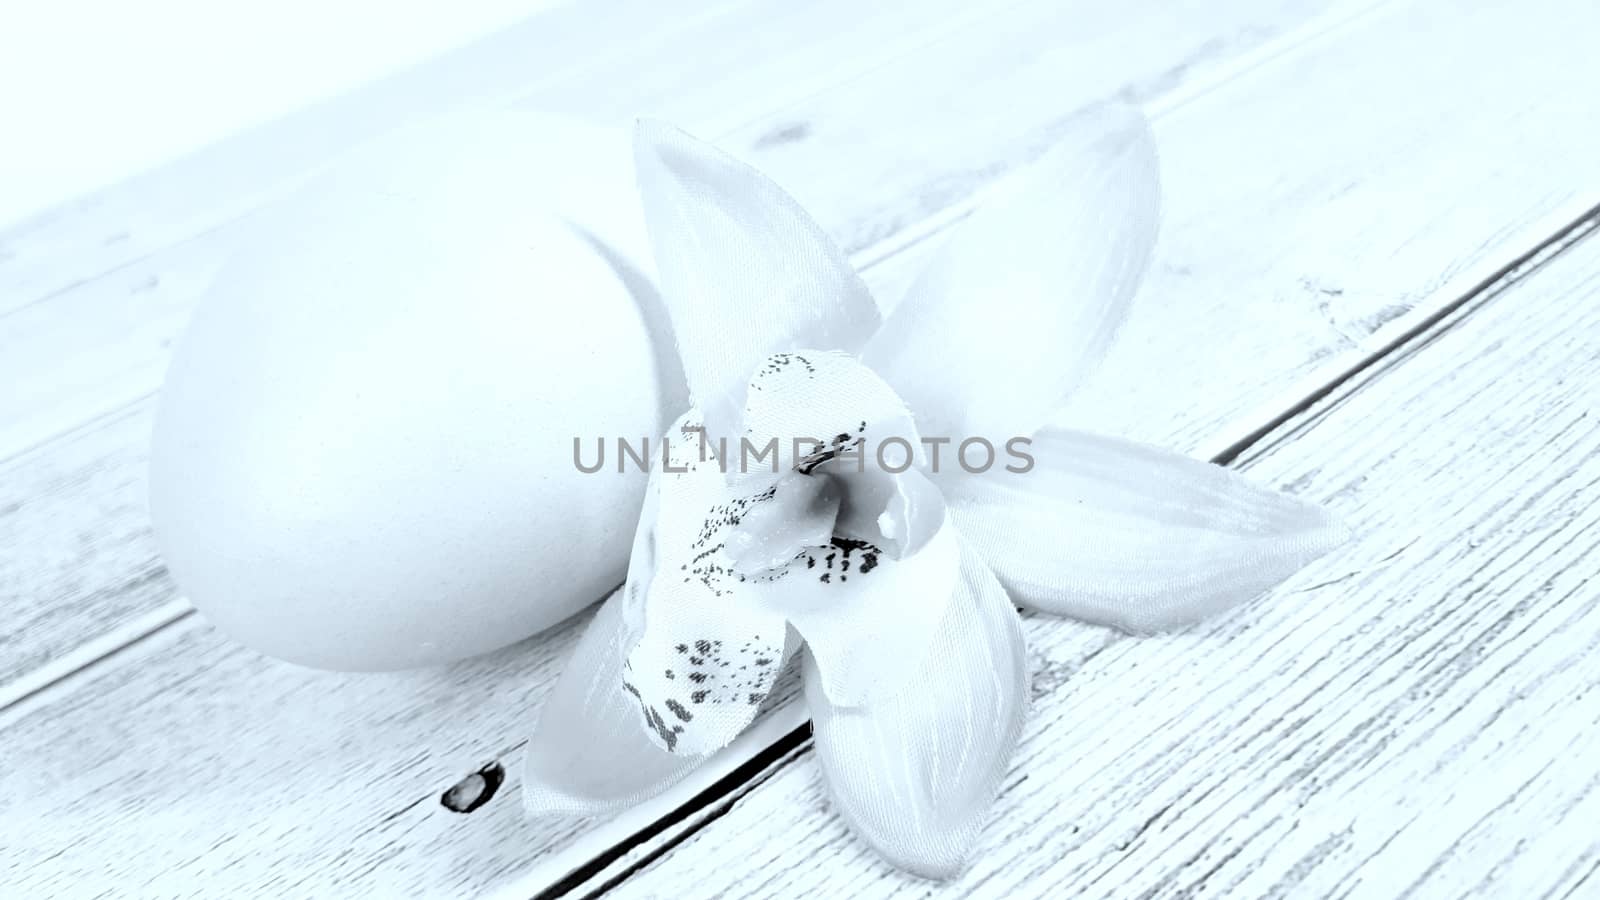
92	316
227	729
1417	715
96	353
615	59
1305	229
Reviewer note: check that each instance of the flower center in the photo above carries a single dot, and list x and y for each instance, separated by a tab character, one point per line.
827	500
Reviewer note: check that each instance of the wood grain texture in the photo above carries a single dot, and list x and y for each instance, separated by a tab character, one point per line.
1417	715
1305	228
103	346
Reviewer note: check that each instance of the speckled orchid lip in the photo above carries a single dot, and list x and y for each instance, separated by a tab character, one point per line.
894	589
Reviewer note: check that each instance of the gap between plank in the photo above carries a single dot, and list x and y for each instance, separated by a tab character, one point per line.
794	745
32	688
1520	267
715	800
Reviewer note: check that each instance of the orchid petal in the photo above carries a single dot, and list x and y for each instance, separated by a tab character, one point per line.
867	619
915	774
706	656
1119	533
590	754
811	406
743	270
1028	293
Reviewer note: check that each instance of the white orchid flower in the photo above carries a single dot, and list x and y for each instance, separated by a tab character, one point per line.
887	560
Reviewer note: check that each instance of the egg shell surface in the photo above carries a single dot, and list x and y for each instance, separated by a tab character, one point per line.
363	455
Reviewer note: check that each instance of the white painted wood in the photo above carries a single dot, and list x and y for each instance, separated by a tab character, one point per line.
74	128
930	123
103	346
191	768
79	560
1415	715
191	742
181	755
719	65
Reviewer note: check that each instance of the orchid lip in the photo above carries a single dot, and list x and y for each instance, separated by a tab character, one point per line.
800	513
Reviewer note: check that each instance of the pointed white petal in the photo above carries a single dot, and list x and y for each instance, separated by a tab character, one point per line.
590	754
743	270
914	774
1119	533
1028	293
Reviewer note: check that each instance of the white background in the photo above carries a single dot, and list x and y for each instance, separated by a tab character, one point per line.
93	91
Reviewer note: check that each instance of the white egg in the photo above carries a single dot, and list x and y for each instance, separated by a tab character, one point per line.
363	457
